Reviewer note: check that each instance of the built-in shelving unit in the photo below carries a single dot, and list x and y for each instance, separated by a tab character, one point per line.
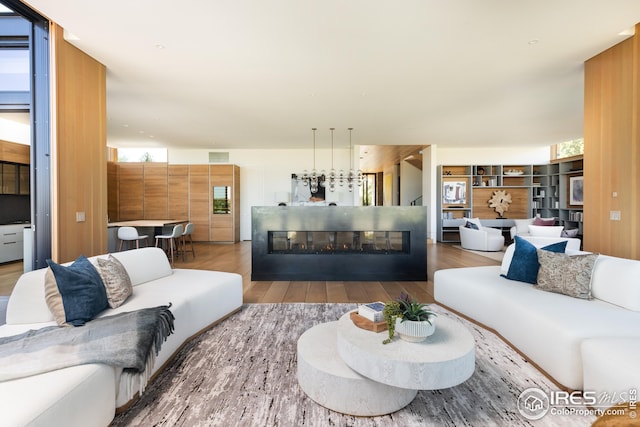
464	191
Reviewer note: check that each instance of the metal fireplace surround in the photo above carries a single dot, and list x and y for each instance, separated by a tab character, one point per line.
364	243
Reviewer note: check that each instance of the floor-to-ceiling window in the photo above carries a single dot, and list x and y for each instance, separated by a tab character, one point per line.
24	89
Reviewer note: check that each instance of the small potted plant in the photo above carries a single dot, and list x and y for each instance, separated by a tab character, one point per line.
410	319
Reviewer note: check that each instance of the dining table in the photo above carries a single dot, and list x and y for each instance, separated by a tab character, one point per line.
157	224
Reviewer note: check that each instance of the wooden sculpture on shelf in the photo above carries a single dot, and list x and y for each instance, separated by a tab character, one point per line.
500	202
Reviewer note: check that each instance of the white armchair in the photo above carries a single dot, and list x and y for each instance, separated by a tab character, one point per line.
480	239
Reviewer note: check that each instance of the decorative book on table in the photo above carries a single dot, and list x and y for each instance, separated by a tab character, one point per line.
372	311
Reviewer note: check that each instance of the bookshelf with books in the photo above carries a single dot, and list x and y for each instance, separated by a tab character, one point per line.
543	189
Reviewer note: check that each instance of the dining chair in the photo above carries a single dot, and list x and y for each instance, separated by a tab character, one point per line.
173	240
129	234
188	230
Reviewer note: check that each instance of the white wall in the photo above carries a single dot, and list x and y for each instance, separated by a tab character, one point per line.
410	182
13	131
263	173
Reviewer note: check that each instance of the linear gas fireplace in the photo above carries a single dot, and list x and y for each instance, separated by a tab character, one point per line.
339	243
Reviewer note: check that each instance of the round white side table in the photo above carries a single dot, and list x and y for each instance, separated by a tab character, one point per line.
327	380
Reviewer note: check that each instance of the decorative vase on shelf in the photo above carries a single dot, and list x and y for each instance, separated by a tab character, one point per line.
415	331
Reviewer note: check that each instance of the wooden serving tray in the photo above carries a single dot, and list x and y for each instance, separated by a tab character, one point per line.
364	323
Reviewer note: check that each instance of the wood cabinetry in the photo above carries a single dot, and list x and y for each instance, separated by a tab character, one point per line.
155	190
130	191
178	191
199	201
225	212
465	191
161	191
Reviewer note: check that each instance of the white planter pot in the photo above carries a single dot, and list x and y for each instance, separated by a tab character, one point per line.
413	331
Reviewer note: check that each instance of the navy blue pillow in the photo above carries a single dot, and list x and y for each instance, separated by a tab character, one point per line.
471	225
524	264
82	290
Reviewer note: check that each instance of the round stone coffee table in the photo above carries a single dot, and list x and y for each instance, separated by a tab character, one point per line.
349	370
328	381
445	359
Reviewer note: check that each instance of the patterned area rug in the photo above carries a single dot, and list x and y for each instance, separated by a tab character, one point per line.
242	372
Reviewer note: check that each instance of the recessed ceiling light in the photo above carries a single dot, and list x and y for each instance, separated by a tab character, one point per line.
533	41
160	46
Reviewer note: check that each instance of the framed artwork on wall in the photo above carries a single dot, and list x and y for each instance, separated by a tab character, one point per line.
576	191
454	193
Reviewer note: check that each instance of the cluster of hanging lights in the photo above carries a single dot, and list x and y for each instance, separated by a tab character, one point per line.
315	180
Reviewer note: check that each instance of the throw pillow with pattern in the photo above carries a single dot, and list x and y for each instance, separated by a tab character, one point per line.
564	274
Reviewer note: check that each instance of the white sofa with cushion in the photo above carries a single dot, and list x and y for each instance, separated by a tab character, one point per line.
474	236
571	339
540	227
88	395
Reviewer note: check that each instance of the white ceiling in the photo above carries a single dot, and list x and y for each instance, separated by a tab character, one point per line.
260	74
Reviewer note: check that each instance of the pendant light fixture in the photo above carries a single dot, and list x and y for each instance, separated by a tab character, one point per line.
311	179
354	176
314	179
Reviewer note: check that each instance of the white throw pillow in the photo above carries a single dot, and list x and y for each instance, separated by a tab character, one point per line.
506	259
522	225
546	230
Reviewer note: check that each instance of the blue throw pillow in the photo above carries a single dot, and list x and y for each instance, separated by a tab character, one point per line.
524	264
471	225
81	290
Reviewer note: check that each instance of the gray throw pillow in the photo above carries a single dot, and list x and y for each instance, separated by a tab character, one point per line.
116	280
564	274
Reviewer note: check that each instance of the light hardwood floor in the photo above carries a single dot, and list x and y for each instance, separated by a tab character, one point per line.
236	258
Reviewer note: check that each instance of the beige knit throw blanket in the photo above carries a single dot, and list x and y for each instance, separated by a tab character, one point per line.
130	341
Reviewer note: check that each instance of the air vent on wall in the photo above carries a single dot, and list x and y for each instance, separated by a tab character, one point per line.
218	157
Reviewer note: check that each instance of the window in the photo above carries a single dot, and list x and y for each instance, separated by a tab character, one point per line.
14	70
142	155
566	149
368	190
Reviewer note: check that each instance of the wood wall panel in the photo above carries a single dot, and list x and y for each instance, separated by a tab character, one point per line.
15	153
156	191
199	201
517	208
78	151
236	203
112	191
611	157
131	191
178	191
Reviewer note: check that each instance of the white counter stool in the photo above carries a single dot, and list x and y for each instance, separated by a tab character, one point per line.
188	230
173	240
130	234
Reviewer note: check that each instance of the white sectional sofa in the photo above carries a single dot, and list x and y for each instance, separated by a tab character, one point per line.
573	340
88	395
